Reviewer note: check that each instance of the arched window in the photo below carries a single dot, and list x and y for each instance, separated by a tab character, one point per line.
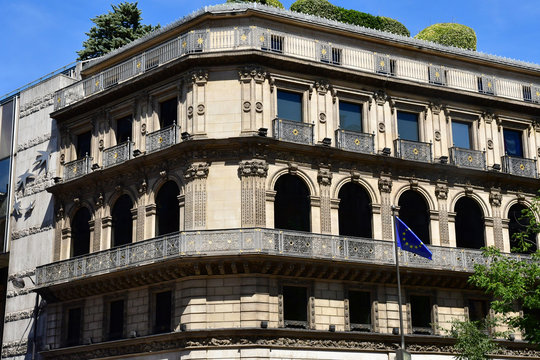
469	224
80	232
292	206
354	211
517	225
414	212
122	221
167	209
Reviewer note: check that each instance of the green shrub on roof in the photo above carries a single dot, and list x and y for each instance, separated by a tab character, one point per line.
274	3
325	9
449	34
321	8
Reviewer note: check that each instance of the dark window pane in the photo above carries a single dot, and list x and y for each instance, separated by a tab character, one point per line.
408	125
420	311
80	233
122	221
477	310
354	211
295	304
168	113
163	312
6	128
289	105
116	320
292	206
461	134
167	209
74	323
83	144
414	212
469	224
513	143
518	225
124	129
350	116
360	307
4	175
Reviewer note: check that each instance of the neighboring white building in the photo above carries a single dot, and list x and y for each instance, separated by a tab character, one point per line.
224	188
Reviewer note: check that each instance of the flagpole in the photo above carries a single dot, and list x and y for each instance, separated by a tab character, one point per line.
398	279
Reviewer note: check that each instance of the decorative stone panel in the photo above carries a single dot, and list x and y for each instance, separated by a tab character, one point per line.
195	197
252	88
253	178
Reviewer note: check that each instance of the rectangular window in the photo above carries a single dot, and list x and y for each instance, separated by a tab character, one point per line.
116	320
74	327
336	56
124	129
421	313
163	311
461	134
360	310
83	144
295	306
477	309
527	93
168	113
276	43
289	105
6	128
513	145
350	116
408	125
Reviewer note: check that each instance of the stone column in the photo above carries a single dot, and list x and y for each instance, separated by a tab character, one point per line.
251	82
441	190
385	187
195	197
253	179
324	177
495	198
322	128
196	103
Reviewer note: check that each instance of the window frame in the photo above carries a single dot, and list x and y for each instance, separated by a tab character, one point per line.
427	330
65	322
295	324
363	114
357	327
305	88
522	138
153	307
107	317
115	121
420	109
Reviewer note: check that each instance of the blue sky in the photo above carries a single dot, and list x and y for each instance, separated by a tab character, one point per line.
39	36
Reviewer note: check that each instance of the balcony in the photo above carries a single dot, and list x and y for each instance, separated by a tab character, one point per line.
77	168
519	166
117	154
300	47
162	138
413	150
293	131
250	242
467	158
355	141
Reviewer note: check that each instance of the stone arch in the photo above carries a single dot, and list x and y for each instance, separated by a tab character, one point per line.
74	208
366	185
469	224
355	212
515	225
297	172
292	205
428	198
154	189
414	211
485	208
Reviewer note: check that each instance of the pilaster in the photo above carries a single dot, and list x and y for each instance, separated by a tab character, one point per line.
253	178
195	197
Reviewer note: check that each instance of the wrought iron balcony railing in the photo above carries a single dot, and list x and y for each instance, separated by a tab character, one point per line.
519	166
253	241
117	154
467	158
303	47
293	131
77	168
413	150
355	141
162	138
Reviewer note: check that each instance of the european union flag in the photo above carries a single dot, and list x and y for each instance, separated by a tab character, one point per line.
407	240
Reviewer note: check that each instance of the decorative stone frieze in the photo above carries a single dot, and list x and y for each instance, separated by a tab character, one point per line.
441	191
15	235
33	142
253	193
385	187
495	199
19	315
324	178
199	76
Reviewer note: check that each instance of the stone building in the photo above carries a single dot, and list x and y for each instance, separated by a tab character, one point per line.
224	188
